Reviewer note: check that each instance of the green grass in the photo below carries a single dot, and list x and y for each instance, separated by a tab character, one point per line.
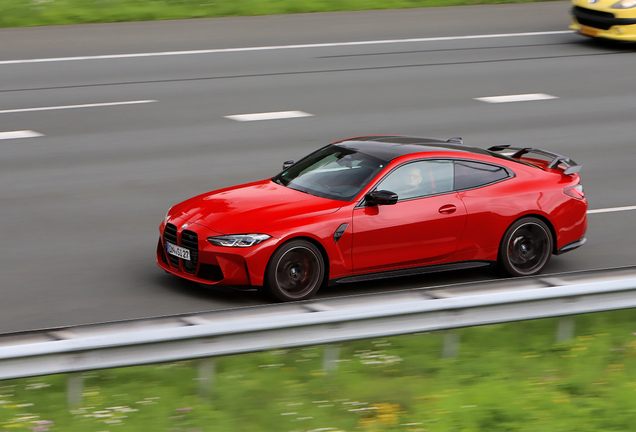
507	377
24	13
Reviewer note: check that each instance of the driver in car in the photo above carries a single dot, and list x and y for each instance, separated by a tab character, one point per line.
410	182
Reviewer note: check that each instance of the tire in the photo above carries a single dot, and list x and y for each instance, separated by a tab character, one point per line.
526	247
295	271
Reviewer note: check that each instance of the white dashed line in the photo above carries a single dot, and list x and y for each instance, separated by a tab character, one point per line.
516	98
19	134
610	210
283	47
63	107
268	116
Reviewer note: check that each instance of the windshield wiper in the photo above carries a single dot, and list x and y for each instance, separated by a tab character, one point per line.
299	190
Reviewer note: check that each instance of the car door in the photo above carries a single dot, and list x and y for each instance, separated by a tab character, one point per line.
491	202
424	226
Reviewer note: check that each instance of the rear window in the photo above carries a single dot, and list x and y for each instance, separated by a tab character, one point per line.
470	175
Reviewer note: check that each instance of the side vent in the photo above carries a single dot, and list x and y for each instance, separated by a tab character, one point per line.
339	232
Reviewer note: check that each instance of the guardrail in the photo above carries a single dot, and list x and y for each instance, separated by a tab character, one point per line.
237	331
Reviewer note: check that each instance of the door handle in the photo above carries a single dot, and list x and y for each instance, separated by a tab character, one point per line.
447	209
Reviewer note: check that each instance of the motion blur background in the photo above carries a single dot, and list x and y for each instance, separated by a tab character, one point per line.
105	126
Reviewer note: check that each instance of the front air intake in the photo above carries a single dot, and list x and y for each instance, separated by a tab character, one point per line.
190	240
210	272
170	236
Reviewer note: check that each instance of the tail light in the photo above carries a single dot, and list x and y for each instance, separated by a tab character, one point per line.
575	191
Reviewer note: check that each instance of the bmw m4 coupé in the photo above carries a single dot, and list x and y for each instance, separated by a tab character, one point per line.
379	206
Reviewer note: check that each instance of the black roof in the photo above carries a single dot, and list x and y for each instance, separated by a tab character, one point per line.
389	147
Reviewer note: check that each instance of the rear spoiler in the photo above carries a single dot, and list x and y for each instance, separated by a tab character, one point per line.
556	159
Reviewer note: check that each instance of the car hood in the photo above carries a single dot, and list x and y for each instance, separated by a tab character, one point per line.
598	5
248	208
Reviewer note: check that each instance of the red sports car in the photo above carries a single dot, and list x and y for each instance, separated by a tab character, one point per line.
379	206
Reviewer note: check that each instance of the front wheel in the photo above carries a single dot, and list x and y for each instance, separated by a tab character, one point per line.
526	247
295	271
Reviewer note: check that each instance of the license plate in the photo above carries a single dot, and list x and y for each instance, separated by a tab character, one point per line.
178	251
588	31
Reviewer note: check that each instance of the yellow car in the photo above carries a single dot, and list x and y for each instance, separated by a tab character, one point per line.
608	19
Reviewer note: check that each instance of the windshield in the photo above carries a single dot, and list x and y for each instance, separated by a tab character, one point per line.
332	172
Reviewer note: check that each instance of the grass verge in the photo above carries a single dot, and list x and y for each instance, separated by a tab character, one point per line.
25	13
507	377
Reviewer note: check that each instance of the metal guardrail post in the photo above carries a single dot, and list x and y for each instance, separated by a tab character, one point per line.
207	369
330	357
451	344
74	389
565	331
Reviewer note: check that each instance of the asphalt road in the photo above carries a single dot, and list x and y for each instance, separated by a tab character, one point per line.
81	204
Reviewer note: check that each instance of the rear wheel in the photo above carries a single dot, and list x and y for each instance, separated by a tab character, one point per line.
526	247
295	271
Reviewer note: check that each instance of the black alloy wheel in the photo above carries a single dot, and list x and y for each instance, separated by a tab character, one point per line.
295	271
526	247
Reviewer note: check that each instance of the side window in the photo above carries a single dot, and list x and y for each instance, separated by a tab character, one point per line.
418	179
474	174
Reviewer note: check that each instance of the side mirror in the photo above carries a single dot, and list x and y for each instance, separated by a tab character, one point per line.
382	197
287	164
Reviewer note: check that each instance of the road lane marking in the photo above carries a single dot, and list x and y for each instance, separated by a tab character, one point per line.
76	106
19	134
283	47
268	116
610	210
516	98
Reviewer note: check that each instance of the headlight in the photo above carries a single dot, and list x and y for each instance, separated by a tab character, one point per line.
624	4
238	240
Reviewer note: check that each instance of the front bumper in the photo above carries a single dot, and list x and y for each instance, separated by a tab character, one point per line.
604	25
212	265
208	273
